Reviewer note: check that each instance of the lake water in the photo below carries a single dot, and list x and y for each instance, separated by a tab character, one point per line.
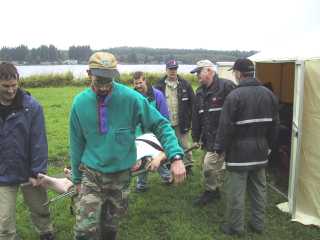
80	70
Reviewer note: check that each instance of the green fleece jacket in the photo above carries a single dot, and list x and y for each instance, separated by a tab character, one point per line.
115	150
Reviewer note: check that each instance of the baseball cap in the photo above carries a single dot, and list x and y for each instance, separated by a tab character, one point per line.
201	64
103	64
243	65
172	64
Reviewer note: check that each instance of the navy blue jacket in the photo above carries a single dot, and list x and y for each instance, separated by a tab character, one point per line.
248	126
23	141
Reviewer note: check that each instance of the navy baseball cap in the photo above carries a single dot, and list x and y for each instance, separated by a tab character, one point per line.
243	65
172	64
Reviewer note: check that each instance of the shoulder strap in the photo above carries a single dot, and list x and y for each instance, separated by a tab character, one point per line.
152	144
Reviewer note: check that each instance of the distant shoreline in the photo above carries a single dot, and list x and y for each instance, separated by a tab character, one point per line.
50	55
79	70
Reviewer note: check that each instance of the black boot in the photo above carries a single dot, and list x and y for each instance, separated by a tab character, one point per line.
109	235
207	197
230	231
47	236
254	229
189	171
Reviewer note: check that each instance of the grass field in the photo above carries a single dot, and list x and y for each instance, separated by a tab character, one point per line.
164	212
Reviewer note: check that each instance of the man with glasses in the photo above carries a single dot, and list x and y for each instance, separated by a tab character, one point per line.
205	118
103	122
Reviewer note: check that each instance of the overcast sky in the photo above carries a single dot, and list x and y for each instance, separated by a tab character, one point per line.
209	24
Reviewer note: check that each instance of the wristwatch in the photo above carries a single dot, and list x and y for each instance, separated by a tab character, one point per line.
176	157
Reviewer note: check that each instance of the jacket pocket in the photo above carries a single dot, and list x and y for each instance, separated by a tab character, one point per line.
124	135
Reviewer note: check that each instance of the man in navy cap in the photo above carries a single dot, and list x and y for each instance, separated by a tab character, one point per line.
180	97
247	130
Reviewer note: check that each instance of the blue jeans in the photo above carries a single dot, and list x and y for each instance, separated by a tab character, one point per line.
164	174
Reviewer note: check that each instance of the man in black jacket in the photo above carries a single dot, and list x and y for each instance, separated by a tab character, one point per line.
180	97
247	129
205	118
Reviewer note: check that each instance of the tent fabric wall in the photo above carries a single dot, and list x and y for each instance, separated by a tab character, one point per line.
281	77
308	181
308	188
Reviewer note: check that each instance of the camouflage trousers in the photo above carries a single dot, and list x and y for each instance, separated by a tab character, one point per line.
213	170
103	200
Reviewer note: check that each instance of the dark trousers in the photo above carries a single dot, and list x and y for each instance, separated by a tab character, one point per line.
236	185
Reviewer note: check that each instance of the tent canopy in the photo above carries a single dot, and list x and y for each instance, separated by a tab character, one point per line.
278	55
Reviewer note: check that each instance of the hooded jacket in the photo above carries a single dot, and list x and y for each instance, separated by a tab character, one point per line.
23	141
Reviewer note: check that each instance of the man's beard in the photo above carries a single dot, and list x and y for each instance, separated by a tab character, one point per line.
102	93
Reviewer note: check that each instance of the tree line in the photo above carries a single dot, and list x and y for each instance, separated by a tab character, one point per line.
128	55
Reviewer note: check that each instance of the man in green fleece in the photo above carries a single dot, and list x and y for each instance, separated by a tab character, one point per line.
103	121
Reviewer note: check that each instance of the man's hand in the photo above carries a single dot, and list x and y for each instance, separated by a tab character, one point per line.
35	182
196	144
156	161
67	173
219	152
178	171
78	187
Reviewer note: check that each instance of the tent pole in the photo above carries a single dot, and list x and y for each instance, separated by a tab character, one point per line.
277	191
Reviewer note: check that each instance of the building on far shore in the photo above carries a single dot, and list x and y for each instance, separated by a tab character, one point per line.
70	62
223	68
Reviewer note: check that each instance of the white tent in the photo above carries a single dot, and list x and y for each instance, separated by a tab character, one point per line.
295	78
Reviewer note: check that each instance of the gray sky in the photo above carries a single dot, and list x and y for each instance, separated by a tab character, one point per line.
210	24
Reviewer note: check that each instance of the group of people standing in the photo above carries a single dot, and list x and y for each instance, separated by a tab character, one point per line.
235	125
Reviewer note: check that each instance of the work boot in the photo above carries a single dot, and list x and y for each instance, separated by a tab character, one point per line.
141	189
226	229
189	171
254	229
109	235
207	197
167	182
47	236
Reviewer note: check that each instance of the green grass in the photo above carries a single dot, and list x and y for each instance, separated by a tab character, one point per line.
56	103
164	212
